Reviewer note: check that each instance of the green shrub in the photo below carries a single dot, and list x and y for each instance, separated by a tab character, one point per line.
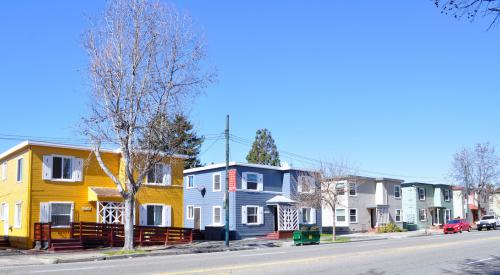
391	227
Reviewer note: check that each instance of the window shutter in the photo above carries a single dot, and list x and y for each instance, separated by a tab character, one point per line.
77	169
260	182
143	213
167	215
244	215
313	215
244	181
44	212
260	215
4	171
72	212
299	184
167	174
47	168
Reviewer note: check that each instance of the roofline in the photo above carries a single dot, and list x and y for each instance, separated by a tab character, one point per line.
425	183
363	177
262	166
65	146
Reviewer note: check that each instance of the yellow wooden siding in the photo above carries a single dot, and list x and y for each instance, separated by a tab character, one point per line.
12	192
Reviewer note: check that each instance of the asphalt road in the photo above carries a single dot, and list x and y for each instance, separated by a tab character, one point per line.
466	253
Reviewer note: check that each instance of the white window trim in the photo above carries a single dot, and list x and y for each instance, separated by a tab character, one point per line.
418	193
155	204
201	216
220	182
2	214
345	215
187	182
187	212
213	214
397	187
72	214
425	214
312	188
400	215
346	187
159	183
18	215
350	215
447	211
17	170
257	214
62	168
252	190
355	189
4	171
444	195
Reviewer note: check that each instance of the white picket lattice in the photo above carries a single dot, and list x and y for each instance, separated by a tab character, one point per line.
288	218
110	212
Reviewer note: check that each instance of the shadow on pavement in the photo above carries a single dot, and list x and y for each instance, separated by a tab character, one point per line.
486	265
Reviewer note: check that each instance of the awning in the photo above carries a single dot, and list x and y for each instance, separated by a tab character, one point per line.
104	194
279	199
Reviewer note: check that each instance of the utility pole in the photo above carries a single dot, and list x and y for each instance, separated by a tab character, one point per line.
226	199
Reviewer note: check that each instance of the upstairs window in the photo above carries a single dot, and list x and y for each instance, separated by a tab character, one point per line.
252	181
340	189
352	189
190	181
306	184
19	174
62	168
216	182
446	194
159	174
397	191
421	194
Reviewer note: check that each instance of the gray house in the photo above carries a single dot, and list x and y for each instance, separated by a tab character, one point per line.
365	204
263	200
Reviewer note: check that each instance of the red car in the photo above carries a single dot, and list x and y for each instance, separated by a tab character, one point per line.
455	226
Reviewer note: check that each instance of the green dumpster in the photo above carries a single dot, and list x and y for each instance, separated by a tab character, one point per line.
306	237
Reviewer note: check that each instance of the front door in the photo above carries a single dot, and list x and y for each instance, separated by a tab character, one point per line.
274	210
197	218
373	217
5	218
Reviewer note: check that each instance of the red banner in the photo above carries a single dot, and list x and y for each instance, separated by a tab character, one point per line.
232	180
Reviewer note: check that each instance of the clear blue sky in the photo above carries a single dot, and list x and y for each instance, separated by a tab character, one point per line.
393	86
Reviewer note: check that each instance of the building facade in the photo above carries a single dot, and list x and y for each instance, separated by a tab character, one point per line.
61	184
262	200
494	203
364	204
426	205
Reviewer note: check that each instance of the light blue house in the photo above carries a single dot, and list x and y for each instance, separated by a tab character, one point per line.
426	205
263	200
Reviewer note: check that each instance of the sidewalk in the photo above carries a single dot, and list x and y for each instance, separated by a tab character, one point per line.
396	235
32	257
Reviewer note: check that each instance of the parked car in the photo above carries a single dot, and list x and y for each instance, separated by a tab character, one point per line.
455	226
488	222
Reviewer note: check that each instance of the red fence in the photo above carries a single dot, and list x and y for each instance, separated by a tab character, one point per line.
100	234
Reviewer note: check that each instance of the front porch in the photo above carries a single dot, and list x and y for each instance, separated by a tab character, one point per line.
285	217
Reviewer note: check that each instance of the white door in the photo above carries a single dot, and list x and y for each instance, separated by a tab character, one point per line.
5	218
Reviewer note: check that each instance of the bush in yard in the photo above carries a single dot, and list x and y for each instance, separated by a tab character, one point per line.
391	227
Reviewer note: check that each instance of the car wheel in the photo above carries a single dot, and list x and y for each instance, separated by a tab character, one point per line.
468	229
494	226
460	230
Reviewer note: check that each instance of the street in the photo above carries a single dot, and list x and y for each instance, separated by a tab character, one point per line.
466	253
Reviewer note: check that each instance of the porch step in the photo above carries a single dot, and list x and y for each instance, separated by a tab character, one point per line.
4	242
60	245
271	236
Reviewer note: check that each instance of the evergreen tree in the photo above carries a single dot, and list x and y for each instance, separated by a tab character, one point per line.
186	141
264	150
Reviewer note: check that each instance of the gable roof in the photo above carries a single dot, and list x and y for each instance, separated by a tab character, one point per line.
261	166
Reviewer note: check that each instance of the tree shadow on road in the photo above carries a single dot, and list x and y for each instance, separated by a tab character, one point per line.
489	265
373	272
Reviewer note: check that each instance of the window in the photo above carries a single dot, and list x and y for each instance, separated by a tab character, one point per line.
62	168
306	184
422	214
447	215
398	215
190	181
4	171
19	170
18	215
397	191
353	215
352	189
252	181
421	194
340	215
340	187
217	215
306	215
61	214
446	195
159	174
190	212
216	182
154	215
252	215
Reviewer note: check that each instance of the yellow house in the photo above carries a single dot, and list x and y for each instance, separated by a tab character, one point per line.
57	183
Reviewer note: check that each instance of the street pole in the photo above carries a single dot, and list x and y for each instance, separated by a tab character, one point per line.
226	201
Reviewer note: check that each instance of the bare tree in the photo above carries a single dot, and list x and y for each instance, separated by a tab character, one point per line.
478	170
145	63
334	179
471	9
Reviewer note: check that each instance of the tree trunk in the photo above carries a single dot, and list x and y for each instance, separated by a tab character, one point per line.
334	236
129	223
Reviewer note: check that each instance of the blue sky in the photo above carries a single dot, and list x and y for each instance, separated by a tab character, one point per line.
395	87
